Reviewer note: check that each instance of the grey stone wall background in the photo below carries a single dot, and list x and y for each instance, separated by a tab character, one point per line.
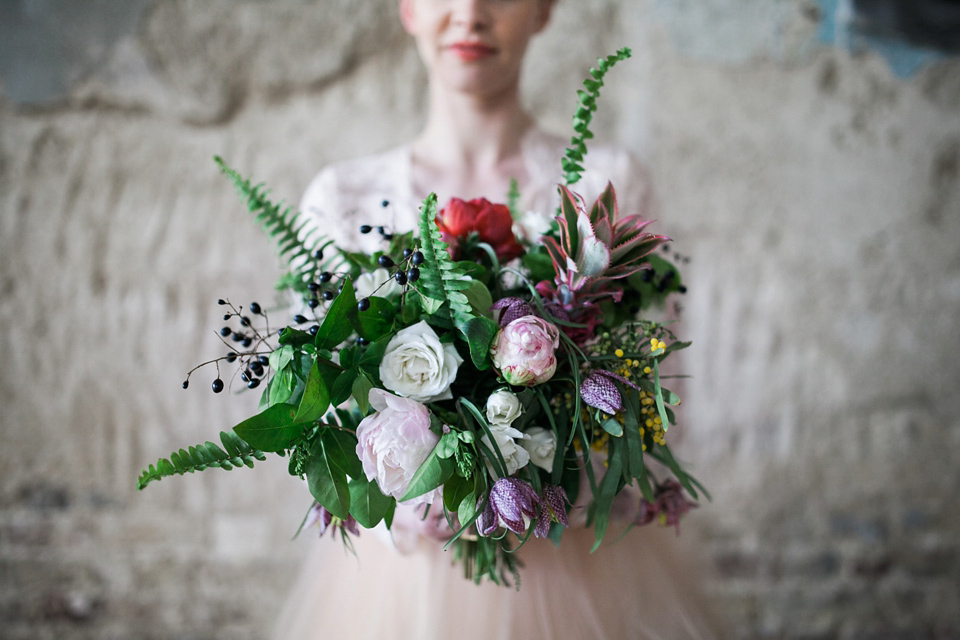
815	190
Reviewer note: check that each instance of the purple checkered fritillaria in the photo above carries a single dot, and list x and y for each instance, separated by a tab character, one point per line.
668	505
552	509
324	520
598	390
511	309
512	503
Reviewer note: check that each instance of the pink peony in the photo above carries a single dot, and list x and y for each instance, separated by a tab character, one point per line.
524	351
394	442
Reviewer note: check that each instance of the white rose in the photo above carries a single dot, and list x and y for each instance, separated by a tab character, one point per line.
418	366
366	285
541	444
513	454
503	407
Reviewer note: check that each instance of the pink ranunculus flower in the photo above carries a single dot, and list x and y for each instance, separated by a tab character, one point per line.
524	351
394	442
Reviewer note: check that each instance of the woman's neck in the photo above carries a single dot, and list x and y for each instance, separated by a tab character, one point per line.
471	146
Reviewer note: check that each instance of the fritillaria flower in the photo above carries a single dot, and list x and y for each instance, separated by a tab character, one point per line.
668	506
598	390
553	509
512	503
324	520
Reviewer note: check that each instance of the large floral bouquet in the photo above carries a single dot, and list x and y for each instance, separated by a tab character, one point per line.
462	372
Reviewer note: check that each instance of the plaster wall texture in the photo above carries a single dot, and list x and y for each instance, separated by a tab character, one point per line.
817	194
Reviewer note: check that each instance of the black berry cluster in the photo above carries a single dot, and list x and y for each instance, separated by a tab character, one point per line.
251	350
404	272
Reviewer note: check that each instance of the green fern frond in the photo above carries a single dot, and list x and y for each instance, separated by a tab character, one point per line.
235	452
443	282
572	160
295	242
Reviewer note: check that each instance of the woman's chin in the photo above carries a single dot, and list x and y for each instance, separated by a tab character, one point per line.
475	79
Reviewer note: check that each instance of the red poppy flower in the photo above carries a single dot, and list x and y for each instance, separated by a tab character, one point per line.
491	222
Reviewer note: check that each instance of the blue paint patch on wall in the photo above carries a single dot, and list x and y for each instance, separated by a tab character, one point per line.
903	58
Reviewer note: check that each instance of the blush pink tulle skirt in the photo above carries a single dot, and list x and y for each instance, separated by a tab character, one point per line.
646	585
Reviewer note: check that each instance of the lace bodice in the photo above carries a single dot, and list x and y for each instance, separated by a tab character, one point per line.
350	193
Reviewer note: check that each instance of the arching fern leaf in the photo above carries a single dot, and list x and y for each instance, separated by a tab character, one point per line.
442	284
295	242
573	157
236	452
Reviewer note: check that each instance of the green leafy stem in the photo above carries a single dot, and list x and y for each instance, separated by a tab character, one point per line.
235	453
571	163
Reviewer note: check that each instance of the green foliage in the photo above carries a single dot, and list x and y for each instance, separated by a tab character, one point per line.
442	281
235	452
513	199
573	157
295	243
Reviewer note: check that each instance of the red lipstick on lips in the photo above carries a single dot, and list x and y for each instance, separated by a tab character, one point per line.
470	51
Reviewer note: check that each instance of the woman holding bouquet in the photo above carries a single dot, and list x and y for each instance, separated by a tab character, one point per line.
476	140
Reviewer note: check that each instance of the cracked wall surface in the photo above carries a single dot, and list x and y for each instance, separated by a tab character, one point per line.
815	190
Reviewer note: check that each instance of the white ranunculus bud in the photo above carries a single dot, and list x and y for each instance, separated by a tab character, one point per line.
541	444
513	454
366	285
418	366
503	407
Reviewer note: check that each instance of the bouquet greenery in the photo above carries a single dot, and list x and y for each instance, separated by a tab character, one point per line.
461	373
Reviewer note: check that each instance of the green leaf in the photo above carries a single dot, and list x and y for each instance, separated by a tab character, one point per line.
281	387
479	333
361	391
430	305
448	444
658	396
203	456
455	490
316	396
431	474
336	326
272	430
341	448
608	490
327	481
294	337
467	511
611	426
281	357
367	504
375	321
343	387
479	298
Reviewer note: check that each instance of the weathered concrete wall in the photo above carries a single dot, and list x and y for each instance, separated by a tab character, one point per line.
816	191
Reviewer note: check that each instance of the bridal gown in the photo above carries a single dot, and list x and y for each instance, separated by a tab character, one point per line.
645	584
